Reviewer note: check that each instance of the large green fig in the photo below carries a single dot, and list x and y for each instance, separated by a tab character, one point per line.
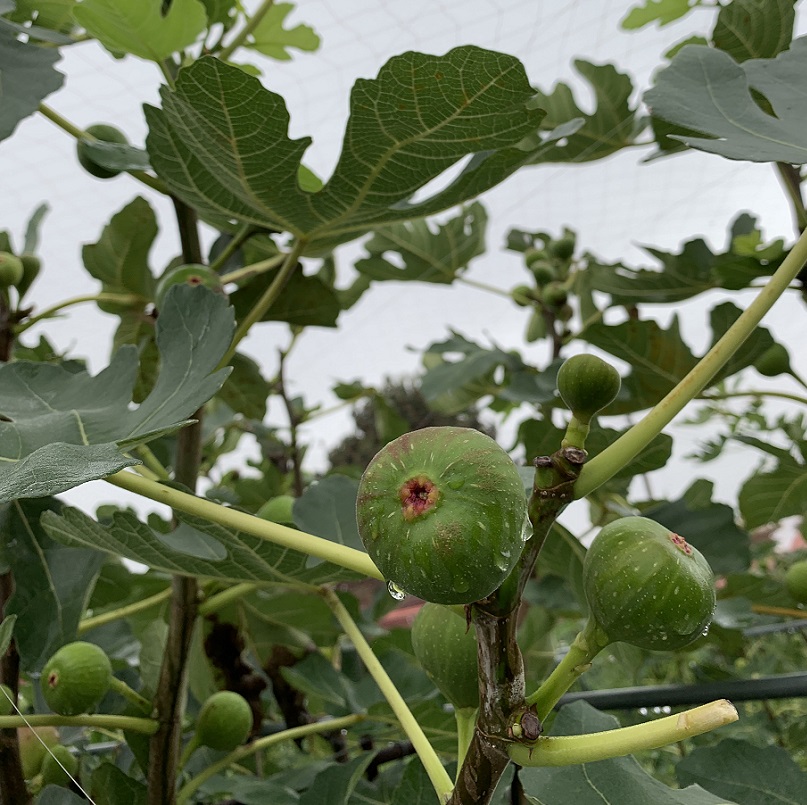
441	512
796	580
646	585
107	134
445	646
76	678
224	722
34	743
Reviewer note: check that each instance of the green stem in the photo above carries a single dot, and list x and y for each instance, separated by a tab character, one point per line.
145	178
271	532
143	451
123	612
245	751
783	395
234	244
250	26
428	757
789	177
266	301
621	452
483	286
253	269
122	689
588	643
575	749
189	749
124	299
466	724
147	726
216	602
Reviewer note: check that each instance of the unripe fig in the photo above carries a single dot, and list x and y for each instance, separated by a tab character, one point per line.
33	747
533	256
647	586
544	272
278	510
796	581
441	512
561	249
774	361
445	646
224	722
6	701
190	274
59	766
76	678
11	269
587	384
107	134
522	295
555	295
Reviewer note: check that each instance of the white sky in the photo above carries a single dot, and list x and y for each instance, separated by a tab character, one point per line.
613	204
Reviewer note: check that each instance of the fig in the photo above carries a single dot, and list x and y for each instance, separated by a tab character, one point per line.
76	678
561	249
587	384
796	581
555	295
544	272
190	274
224	722
11	269
522	295
278	510
774	361
34	743
445	646
441	512
107	134
647	586
59	767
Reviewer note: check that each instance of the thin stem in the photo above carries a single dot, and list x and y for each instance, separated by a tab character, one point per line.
621	452
234	244
253	268
483	286
791	180
266	301
144	453
122	689
272	532
764	609
466	724
575	749
428	757
294	422
124	612
250	26
216	602
121	298
783	395
588	643
237	755
148	726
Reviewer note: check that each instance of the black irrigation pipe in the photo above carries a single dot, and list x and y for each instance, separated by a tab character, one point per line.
785	686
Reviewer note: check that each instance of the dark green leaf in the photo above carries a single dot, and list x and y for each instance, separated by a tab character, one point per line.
247	790
620	780
710	527
315	676
706	90
56	795
415	787
32	229
764	590
27	76
110	786
767	497
119	260
721	318
754	29
53	583
661	11
116	156
418	118
335	784
612	126
562	555
427	255
63	428
748	774
231	556
139	27
245	390
273	40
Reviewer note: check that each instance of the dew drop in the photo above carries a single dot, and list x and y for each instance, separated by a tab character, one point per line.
395	591
705	632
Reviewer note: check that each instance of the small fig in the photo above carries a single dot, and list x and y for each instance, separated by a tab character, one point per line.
190	274
522	295
561	249
445	646
533	255
647	586
278	510
224	722
796	581
774	361
11	269
59	767
587	384
76	678
441	512
34	743
107	134
544	272
554	295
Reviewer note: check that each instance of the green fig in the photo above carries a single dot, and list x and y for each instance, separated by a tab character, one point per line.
441	512
76	678
107	134
190	274
796	580
587	384
59	767
224	722
563	248
774	361
11	269
34	743
278	510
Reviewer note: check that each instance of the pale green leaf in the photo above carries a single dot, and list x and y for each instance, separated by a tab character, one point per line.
662	11
767	497
139	27
274	40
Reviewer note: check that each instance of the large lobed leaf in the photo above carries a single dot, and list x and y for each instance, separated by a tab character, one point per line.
60	428
220	142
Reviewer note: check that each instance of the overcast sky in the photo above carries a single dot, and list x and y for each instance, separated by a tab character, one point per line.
613	204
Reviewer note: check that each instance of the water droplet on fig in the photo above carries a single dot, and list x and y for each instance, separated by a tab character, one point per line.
395	591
